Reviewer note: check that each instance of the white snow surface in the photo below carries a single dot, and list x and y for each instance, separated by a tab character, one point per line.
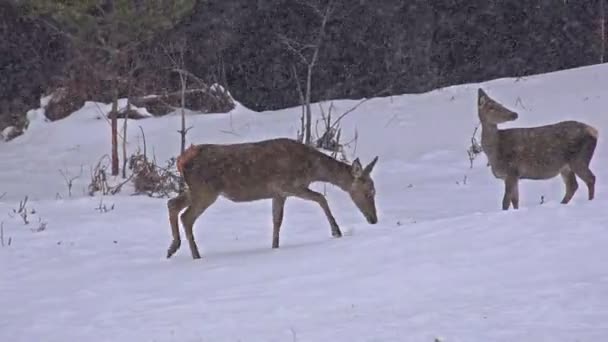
444	262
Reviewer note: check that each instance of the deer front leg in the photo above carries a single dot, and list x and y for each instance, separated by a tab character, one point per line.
198	206
310	195
278	206
571	185
511	193
176	205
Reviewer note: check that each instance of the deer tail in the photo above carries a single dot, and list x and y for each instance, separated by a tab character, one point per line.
185	157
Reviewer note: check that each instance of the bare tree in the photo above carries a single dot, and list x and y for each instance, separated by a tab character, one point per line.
302	129
133	67
175	53
308	54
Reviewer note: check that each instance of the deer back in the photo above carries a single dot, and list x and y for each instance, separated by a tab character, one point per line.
544	151
255	170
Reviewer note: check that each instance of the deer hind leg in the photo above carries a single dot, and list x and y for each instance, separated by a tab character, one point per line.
571	184
278	206
310	195
580	165
196	208
582	170
511	193
175	205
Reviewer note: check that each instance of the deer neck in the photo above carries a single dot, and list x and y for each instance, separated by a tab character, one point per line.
334	172
490	141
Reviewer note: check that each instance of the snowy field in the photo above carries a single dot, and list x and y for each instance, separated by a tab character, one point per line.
443	263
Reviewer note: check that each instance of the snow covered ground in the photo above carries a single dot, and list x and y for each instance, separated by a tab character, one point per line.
444	262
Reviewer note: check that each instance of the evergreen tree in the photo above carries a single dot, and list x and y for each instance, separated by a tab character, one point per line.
108	33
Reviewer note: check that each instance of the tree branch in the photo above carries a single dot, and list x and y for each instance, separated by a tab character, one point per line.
352	109
289	44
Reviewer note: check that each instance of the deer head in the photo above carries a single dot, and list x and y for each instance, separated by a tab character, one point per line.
362	190
492	112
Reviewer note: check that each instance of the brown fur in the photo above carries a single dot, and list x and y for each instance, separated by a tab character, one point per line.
542	152
271	169
185	157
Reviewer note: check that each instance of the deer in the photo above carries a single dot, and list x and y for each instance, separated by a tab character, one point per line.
535	153
272	169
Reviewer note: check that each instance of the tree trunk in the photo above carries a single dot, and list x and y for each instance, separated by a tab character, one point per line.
124	136
114	120
183	131
307	135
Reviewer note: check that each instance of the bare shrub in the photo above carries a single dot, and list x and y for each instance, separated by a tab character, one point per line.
69	179
151	179
22	211
330	138
475	148
99	179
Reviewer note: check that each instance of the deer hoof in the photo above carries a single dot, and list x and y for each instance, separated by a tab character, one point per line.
336	233
173	248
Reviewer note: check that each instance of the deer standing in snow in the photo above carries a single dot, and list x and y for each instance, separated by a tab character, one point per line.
270	169
542	152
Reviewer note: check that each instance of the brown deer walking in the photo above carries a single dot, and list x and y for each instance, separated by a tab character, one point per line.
270	169
542	152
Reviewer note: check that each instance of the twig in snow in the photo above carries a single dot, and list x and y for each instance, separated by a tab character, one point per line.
464	181
475	147
69	181
102	208
41	226
22	210
521	104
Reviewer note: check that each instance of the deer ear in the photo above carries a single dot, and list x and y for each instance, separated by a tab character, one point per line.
368	169
482	97
356	169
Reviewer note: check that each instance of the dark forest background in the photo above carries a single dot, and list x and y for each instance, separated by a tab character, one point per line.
369	48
